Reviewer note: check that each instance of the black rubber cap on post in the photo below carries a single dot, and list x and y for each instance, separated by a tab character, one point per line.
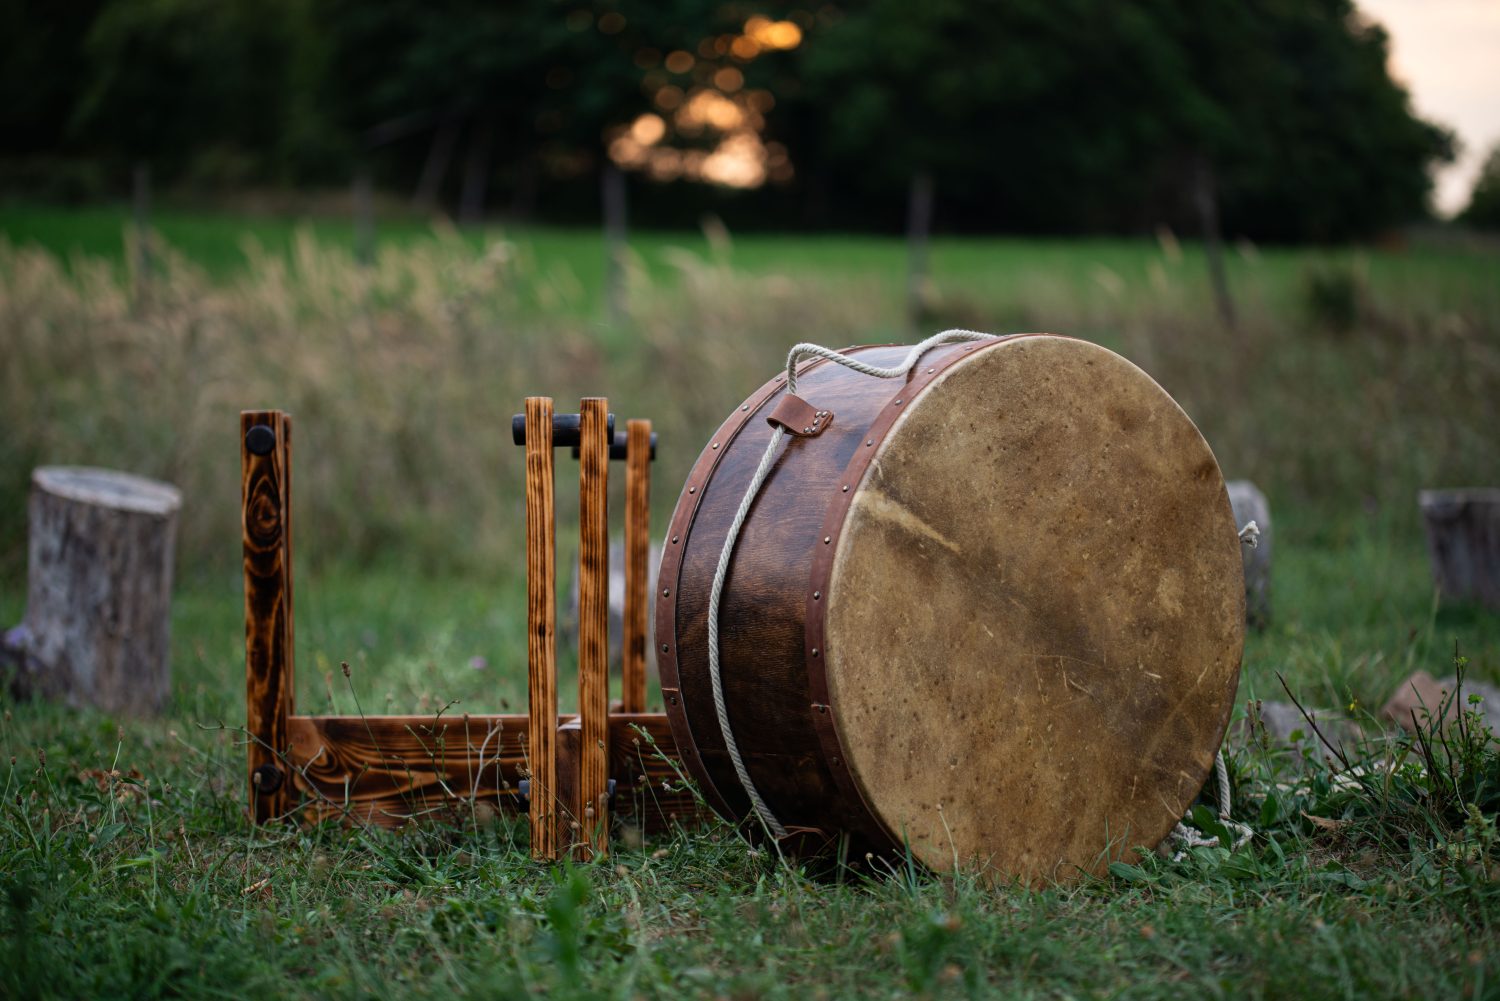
260	439
566	429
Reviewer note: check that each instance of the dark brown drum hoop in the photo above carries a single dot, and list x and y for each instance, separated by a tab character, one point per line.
872	829
680	527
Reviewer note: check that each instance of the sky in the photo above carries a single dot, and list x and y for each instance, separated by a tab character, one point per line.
1447	53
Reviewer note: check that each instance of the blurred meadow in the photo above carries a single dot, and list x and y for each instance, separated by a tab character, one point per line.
396	222
1352	379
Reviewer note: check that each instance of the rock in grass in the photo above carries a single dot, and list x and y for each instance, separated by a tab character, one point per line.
1250	505
1421	700
1286	727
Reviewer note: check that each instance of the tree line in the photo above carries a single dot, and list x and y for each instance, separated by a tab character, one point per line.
1277	117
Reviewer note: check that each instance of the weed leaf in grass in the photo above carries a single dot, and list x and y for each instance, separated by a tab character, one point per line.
1130	873
106	834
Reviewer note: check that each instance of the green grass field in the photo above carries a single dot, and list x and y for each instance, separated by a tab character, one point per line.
1353	378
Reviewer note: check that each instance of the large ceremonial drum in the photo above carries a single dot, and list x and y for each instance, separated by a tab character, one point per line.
991	612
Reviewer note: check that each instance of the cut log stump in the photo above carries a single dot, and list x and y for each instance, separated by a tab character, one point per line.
1250	504
1463	543
98	607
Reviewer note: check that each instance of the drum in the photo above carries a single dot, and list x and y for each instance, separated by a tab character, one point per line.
990	614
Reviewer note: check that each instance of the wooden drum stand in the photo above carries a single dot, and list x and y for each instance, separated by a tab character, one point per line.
568	772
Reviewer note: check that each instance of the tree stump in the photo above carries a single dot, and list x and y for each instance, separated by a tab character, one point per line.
98	607
1463	543
1251	505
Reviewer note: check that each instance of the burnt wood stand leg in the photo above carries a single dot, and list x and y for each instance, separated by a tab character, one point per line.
541	624
265	477
638	452
569	791
593	623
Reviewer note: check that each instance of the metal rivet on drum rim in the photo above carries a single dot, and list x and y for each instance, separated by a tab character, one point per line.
815	651
827	539
745	407
665	648
846	488
666	592
692	490
674	540
807	430
822	709
817	595
869	443
833	761
714	445
898	403
931	370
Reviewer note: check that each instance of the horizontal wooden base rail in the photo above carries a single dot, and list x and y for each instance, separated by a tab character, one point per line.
395	770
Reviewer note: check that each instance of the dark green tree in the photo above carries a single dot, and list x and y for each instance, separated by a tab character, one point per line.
189	84
1483	211
1070	115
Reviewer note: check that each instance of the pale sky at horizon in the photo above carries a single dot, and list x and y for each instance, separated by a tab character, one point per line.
1447	54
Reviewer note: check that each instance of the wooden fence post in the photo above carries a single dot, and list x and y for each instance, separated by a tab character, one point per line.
265	477
593	620
612	194
541	622
364	217
918	235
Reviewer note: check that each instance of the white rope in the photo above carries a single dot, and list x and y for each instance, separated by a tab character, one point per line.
797	353
1185	836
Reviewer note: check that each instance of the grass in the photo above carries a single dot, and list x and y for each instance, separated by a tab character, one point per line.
127	867
152	883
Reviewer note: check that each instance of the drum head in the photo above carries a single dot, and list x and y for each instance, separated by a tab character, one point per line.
1035	615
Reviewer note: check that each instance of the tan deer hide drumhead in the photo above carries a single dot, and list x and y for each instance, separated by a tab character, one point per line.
1036	613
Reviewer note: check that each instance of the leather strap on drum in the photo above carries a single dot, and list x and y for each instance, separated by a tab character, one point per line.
800	351
797	417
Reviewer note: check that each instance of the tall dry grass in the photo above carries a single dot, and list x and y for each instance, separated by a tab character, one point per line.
403	377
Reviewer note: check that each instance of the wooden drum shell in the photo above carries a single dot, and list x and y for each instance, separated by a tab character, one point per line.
773	610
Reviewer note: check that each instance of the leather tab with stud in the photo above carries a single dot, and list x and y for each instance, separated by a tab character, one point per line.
796	416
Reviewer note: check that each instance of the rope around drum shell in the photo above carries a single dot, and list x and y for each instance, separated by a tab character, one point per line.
1184	835
800	351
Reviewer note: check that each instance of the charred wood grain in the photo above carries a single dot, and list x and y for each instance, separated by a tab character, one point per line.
593	616
541	623
266	530
638	451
